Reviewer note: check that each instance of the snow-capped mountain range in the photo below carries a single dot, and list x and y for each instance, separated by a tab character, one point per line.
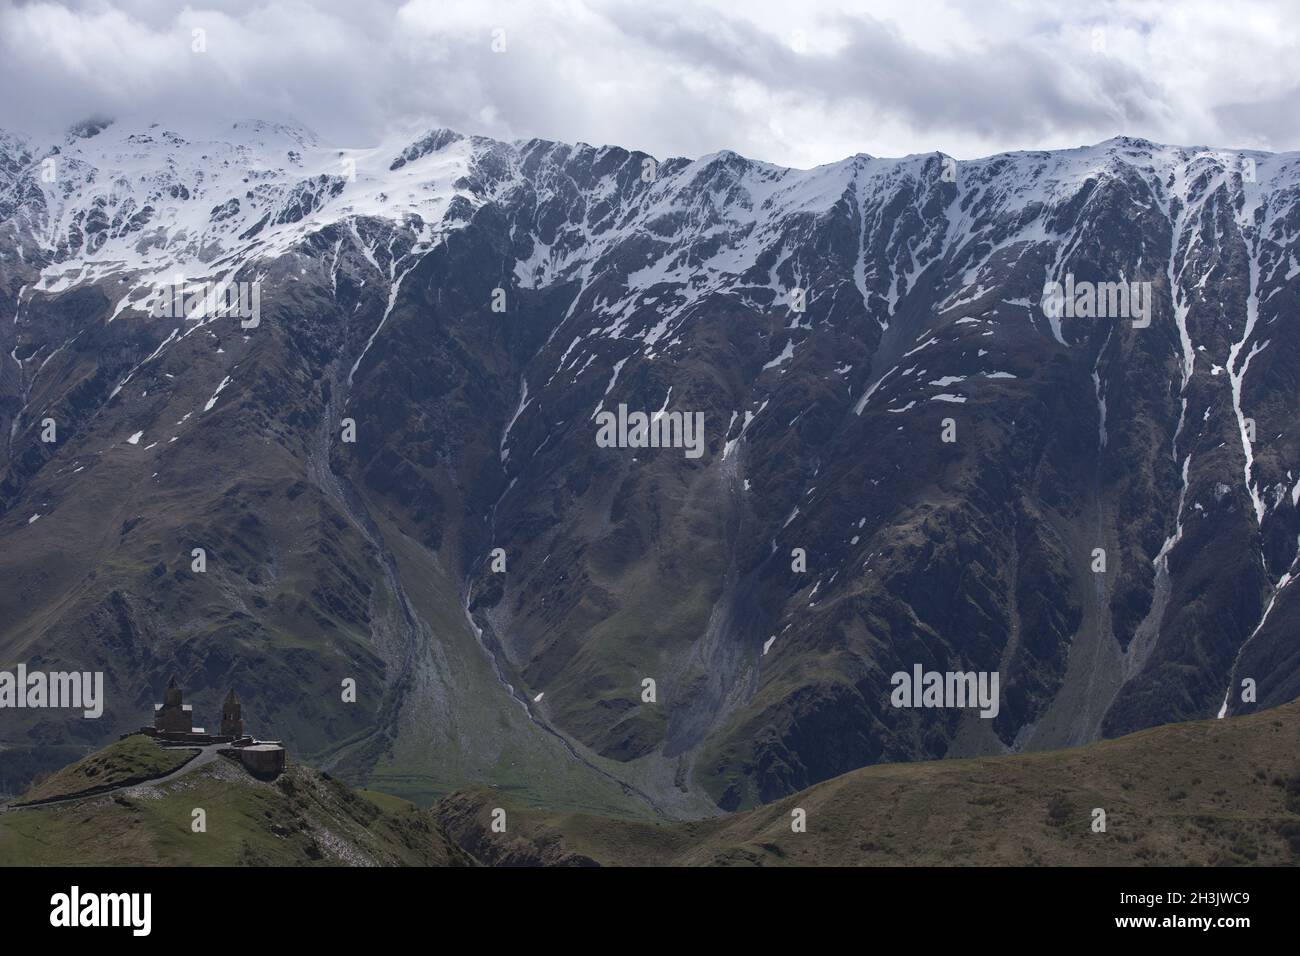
882	387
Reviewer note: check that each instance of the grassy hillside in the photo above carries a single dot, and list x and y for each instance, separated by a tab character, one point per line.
1211	792
1223	792
304	818
132	760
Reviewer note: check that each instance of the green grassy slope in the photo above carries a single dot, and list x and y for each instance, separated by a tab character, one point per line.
304	818
1223	792
131	760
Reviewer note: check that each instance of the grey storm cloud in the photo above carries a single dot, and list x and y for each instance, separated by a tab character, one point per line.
1008	88
797	84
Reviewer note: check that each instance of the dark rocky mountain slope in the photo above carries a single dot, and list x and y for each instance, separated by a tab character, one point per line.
470	306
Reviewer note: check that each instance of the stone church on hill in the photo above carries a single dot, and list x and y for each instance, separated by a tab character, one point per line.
173	726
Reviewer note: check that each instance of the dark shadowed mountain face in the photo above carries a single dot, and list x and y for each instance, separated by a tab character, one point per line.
394	465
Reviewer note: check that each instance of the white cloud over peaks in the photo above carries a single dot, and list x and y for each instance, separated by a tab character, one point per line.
795	83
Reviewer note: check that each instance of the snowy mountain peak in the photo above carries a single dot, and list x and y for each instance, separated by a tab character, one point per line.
474	305
149	203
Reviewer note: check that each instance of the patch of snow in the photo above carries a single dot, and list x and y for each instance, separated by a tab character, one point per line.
213	400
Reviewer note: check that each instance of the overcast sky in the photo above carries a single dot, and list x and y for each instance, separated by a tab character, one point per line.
797	82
